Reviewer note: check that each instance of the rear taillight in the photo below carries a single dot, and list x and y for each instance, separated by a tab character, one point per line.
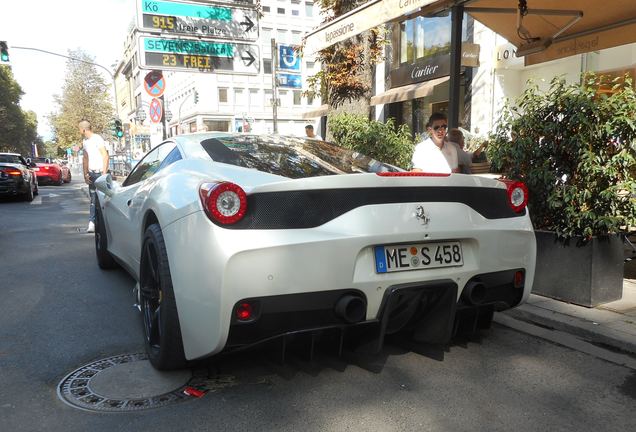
517	194
411	174
224	202
12	171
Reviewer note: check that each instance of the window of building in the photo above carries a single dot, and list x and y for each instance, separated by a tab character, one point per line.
424	37
266	34
267	66
267	97
297	97
296	37
255	101
281	36
239	96
310	99
309	9
295	12
217	125
295	1
265	8
310	65
280	11
222	95
282	97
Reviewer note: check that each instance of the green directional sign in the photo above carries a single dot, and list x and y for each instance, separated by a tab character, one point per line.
236	21
165	53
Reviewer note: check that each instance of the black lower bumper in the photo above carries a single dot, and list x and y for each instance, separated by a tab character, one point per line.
426	313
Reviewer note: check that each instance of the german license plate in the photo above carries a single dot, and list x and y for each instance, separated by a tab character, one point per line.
418	256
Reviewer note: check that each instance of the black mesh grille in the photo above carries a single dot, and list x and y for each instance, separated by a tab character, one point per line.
312	208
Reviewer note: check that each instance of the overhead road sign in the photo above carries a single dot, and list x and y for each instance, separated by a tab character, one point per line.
193	18
198	55
362	18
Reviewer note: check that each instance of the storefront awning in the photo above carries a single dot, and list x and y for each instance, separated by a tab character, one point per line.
408	92
590	25
318	112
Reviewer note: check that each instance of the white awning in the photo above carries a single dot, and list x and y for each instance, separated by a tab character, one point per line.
408	92
318	112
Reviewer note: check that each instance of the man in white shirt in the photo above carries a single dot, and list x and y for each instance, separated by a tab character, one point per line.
432	155
309	132
95	163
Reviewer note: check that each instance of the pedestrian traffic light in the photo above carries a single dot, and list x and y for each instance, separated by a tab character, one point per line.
119	131
196	97
4	52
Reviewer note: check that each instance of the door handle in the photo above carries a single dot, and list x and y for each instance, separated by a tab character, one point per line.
129	202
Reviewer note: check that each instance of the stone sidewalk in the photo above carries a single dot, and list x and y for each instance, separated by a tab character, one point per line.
611	325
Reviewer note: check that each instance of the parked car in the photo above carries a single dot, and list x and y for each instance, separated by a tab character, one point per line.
48	171
17	177
236	240
66	171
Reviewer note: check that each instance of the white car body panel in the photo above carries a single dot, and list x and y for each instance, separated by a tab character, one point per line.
213	267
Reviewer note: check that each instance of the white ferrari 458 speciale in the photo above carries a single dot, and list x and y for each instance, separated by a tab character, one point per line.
236	240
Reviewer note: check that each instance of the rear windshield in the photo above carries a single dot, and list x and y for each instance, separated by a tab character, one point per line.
41	160
13	159
290	156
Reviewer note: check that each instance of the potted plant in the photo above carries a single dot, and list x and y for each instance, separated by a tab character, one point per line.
574	146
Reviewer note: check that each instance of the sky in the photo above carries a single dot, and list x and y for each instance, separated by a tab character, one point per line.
98	27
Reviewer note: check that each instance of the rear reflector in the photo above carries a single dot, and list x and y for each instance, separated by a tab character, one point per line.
244	312
518	279
411	174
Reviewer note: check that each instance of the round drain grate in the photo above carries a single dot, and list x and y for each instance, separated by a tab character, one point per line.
125	382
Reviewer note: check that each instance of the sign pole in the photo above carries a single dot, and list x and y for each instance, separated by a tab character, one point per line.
274	85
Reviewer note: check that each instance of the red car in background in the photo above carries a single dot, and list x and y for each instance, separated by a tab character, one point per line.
47	171
66	171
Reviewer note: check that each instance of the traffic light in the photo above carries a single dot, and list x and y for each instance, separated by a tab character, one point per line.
119	131
4	52
196	97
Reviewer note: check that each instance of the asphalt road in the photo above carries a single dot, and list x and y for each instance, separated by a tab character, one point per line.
58	311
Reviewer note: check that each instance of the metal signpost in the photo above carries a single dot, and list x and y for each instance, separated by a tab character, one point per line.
223	21
196	55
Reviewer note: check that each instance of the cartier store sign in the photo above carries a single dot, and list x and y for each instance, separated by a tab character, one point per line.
433	67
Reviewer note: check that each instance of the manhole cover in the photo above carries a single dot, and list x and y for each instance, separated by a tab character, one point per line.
126	382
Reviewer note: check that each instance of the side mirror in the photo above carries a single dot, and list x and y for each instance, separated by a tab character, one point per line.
106	185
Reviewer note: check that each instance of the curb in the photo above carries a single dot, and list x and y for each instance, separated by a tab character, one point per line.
584	329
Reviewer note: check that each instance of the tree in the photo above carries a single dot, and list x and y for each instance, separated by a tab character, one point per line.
18	129
85	96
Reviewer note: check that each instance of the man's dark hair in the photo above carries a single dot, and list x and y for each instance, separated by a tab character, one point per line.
309	127
434	117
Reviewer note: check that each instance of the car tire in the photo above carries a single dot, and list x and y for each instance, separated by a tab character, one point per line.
60	182
69	177
37	189
104	259
162	332
28	195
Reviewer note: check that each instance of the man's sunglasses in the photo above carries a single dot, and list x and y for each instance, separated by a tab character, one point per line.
435	128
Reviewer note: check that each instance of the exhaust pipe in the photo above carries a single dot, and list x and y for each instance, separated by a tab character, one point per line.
474	293
351	309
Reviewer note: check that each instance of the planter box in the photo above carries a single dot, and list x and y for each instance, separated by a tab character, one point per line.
588	276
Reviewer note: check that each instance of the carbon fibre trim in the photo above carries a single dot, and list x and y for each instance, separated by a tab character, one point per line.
312	208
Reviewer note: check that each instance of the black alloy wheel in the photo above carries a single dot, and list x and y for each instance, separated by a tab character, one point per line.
104	259
162	331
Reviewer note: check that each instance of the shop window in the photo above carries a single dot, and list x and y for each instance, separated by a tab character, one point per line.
217	125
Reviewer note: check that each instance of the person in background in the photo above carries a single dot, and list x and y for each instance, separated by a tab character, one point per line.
433	155
95	163
464	158
309	132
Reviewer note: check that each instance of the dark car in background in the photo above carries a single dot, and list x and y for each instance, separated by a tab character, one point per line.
17	177
48	171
